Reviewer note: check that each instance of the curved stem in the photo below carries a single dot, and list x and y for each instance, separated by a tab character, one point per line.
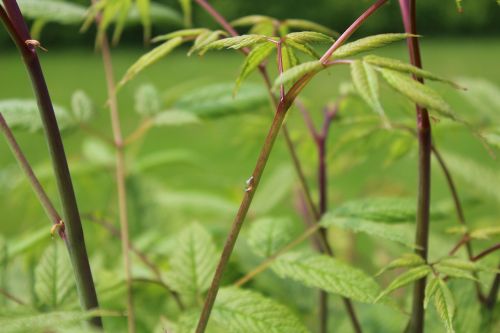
254	180
17	29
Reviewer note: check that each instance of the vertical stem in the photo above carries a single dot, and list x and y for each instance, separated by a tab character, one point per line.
424	170
120	180
30	175
73	226
493	294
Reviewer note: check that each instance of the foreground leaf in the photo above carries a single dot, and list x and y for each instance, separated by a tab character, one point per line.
304	37
193	262
329	274
149	59
235	43
367	44
44	322
365	81
417	92
445	306
401	233
407	277
408	260
239	310
295	73
400	66
258	54
54	277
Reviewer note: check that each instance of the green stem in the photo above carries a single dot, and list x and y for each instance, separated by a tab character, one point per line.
120	180
16	27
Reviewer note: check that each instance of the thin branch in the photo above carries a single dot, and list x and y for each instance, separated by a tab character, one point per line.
120	179
11	297
254	180
42	196
486	252
493	294
18	31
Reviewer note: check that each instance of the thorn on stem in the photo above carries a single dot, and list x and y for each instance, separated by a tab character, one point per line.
57	226
34	43
249	184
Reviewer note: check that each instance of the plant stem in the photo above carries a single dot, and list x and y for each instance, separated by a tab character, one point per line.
120	179
416	324
280	114
18	31
486	252
30	175
12	298
493	294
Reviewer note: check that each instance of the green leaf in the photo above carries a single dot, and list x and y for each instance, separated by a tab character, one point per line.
430	289
194	32
465	265
235	43
417	92
408	260
268	235
445	306
401	233
264	28
23	114
295	73
459	5
365	81
289	57
250	20
486	181
150	58
400	66
62	12
390	210
144	9
407	277
187	10
304	48
309	25
329	274
204	39
258	54
217	100
304	37
193	262
82	106
54	281
175	118
44	322
239	310
147	100
454	272
367	44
